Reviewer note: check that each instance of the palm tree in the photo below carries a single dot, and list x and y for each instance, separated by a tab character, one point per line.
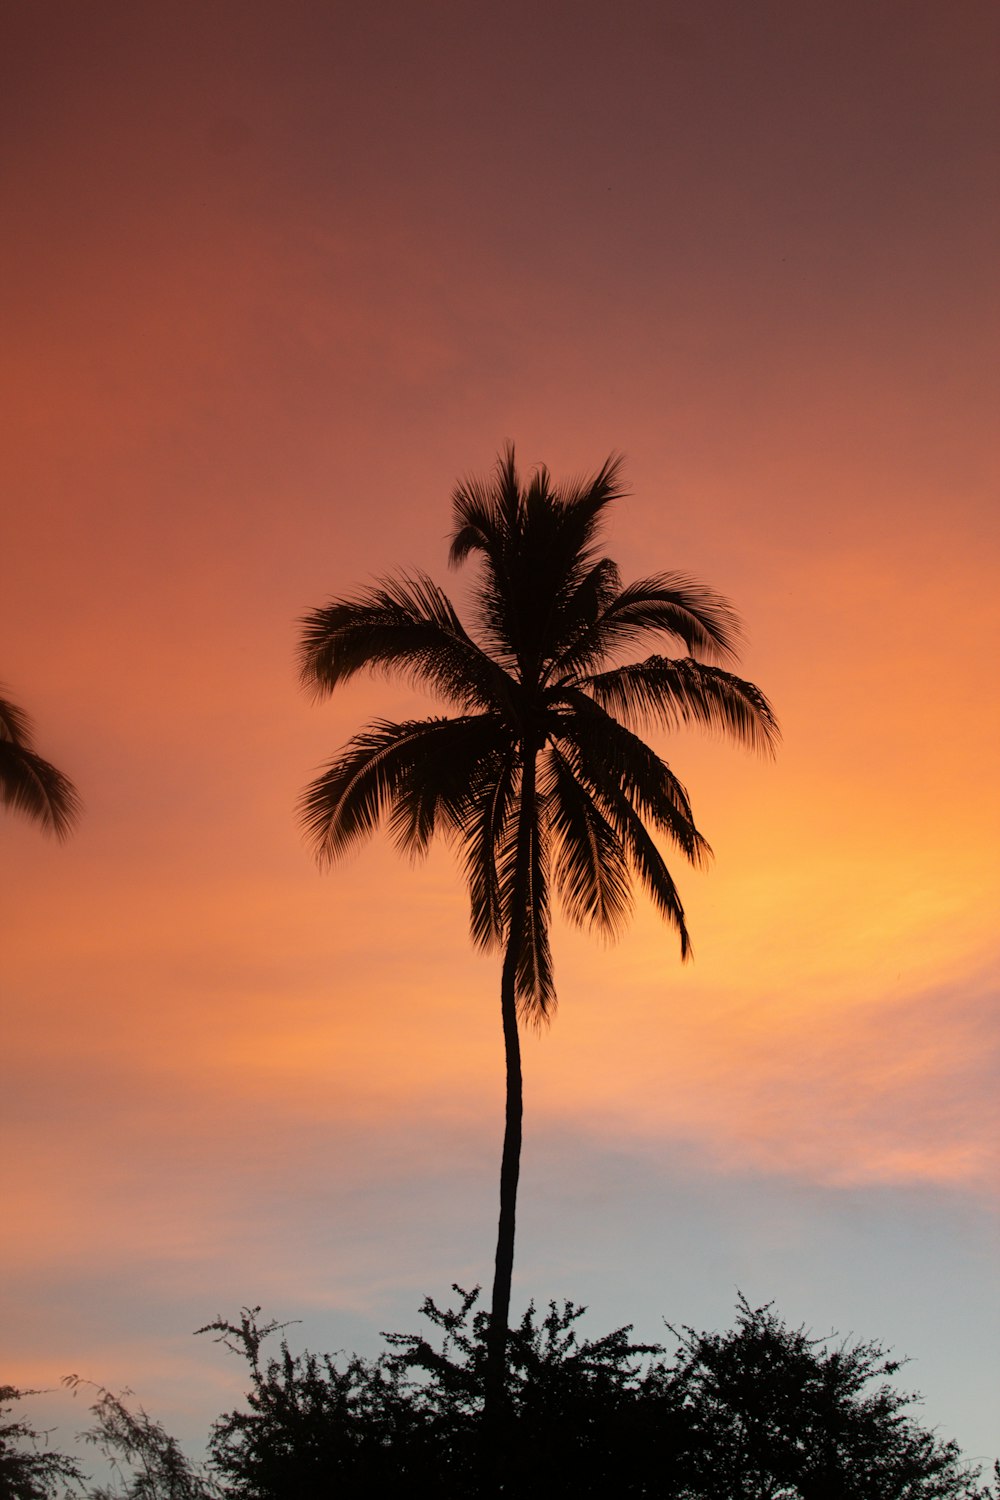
538	776
29	784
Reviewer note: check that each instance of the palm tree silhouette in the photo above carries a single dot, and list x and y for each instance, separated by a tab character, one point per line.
29	784
539	777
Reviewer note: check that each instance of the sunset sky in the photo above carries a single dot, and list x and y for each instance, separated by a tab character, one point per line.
275	277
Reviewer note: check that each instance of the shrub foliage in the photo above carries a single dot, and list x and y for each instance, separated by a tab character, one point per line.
762	1412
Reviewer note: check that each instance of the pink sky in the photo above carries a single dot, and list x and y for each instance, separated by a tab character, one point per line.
272	283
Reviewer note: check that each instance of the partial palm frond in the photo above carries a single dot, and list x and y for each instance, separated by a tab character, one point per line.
536	552
574	614
34	787
469	758
605	754
630	787
523	876
534	981
15	725
558	577
670	693
589	864
485	513
489	520
582	503
29	784
413	772
406	625
560	527
489	839
670	604
648	863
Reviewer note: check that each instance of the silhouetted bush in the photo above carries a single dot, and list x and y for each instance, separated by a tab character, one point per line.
763	1412
29	1469
143	1461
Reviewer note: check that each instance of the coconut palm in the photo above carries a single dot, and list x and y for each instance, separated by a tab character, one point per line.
538	776
29	784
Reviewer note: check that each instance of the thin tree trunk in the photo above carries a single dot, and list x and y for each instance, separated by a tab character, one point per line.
510	1164
510	1168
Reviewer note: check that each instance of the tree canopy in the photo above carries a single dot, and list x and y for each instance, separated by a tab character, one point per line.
762	1412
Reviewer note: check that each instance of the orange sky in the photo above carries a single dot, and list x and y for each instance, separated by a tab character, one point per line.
271	285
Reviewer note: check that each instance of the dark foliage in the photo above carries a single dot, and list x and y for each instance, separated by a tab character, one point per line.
145	1461
142	1461
764	1412
538	776
29	1468
28	784
775	1413
315	1428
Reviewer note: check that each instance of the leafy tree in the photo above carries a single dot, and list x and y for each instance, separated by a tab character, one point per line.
763	1412
29	784
775	1414
411	1419
145	1461
29	1468
315	1428
539	777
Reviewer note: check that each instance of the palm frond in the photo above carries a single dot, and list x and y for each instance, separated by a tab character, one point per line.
469	760
29	784
406	625
670	604
668	692
485	514
489	519
15	725
553	566
412	773
575	613
34	787
589	864
618	807
489	838
607	757
615	797
536	554
534	982
582	503
522	868
631	786
649	865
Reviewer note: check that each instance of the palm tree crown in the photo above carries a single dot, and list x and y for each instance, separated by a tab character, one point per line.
538	774
539	700
29	784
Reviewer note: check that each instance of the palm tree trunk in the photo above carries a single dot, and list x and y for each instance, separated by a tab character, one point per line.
510	1164
510	1168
